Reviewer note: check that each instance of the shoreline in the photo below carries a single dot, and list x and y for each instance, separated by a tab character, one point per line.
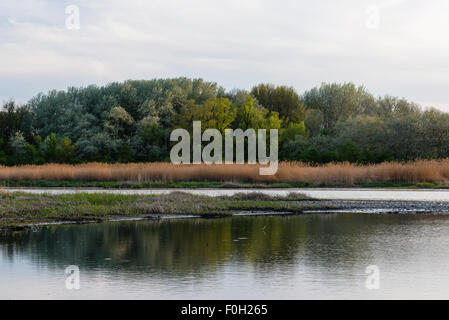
22	211
212	184
19	209
155	217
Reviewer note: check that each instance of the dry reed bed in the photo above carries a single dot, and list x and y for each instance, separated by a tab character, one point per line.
436	171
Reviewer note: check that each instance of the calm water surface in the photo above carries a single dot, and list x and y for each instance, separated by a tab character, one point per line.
267	257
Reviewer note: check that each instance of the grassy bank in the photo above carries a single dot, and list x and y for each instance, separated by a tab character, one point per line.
208	184
428	173
18	209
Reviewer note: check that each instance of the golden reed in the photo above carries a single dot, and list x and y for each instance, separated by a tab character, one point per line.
436	171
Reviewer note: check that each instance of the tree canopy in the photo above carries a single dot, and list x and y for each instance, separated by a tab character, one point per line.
132	121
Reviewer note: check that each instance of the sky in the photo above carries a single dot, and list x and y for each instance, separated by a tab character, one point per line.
395	47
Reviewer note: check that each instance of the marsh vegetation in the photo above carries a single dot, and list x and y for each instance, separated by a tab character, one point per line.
18	209
424	173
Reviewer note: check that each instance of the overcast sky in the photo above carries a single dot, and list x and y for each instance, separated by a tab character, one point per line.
397	47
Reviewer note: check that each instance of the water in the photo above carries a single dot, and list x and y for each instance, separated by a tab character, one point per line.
266	257
324	193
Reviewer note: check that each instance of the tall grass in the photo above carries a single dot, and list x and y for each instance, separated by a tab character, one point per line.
435	171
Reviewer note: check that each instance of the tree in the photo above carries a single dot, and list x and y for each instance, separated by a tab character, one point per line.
250	115
348	152
49	148
389	106
292	132
67	152
283	100
314	121
338	101
367	133
3	158
17	143
132	120
272	121
434	134
404	139
119	123
150	131
216	113
15	118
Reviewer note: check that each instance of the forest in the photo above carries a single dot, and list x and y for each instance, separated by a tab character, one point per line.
131	121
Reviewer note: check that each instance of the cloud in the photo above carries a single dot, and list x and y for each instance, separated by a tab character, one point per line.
236	43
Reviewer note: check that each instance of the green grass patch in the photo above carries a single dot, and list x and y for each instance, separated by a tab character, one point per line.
19	208
209	184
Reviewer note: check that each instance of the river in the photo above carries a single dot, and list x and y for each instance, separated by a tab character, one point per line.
320	256
313	256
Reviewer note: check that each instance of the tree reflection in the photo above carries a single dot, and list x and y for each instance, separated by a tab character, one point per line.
183	247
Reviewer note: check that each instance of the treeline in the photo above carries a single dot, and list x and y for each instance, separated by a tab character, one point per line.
132	121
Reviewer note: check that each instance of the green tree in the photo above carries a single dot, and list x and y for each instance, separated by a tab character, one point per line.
49	148
3	157
250	115
283	100
17	143
120	123
367	133
217	113
314	121
338	101
272	121
68	150
348	152
292	132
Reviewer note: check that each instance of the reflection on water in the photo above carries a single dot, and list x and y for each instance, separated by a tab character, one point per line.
291	257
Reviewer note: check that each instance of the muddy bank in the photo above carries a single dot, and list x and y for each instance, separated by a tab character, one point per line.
19	210
310	207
